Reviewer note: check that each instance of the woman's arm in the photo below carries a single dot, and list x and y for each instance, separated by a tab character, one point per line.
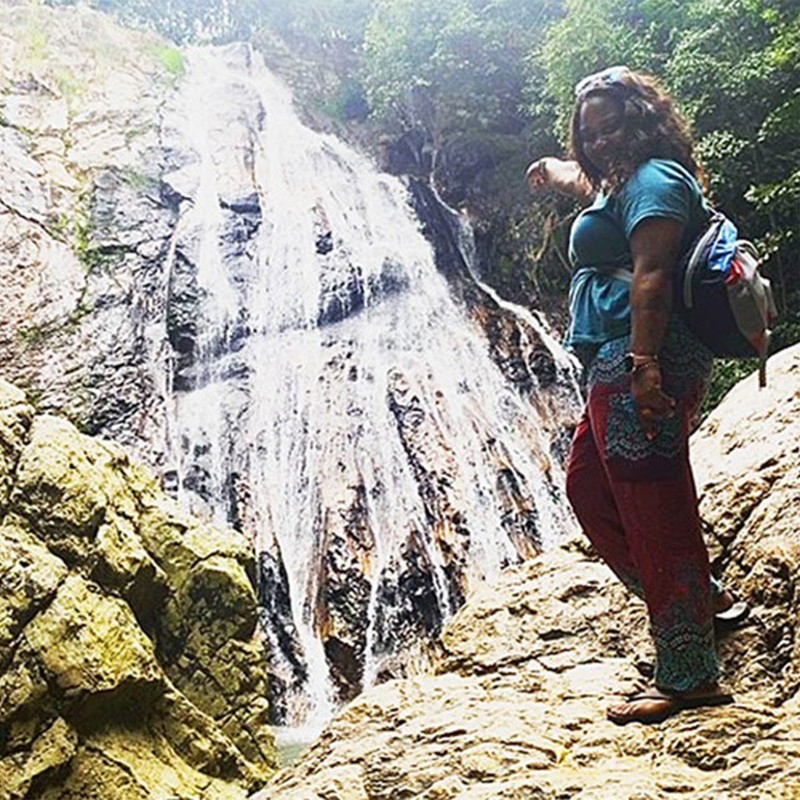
655	247
563	176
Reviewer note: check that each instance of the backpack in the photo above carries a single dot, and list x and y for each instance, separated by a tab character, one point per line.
726	302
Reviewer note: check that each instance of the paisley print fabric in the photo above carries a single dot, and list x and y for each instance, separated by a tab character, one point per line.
635	499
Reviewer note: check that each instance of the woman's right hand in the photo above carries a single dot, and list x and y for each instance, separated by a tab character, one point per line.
563	176
537	174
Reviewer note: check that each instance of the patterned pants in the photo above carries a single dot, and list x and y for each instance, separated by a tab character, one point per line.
635	499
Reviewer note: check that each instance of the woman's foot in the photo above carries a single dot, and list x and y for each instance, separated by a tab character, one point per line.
723	601
729	613
655	705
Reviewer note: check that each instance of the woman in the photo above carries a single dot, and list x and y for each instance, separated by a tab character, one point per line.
628	477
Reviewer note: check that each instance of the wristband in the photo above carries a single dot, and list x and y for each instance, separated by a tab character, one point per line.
635	361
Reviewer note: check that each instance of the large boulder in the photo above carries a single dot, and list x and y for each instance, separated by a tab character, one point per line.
516	706
130	661
747	466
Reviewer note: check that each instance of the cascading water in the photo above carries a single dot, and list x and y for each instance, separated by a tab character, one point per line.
331	398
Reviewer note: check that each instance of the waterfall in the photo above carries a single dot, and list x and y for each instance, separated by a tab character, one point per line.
331	398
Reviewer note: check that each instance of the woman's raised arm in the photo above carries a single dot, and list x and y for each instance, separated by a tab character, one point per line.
564	176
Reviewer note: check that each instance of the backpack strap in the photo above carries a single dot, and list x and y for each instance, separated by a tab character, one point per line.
697	254
620	273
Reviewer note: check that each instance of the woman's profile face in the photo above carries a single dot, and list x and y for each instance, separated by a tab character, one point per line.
601	127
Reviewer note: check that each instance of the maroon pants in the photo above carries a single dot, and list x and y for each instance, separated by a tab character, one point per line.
643	520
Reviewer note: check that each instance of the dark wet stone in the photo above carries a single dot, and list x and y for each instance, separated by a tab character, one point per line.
324	243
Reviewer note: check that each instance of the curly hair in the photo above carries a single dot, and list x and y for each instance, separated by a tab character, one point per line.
654	128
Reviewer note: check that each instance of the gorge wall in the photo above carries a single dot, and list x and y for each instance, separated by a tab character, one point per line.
252	308
84	228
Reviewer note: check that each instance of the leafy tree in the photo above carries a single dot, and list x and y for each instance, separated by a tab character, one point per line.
327	22
592	35
322	62
737	63
450	66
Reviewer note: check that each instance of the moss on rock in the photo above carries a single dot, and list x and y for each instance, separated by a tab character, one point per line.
130	661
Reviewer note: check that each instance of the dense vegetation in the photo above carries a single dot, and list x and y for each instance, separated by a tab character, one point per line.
480	87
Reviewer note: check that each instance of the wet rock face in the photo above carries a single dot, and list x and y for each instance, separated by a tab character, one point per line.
344	594
516	705
128	650
514	346
85	227
182	310
407	607
441	229
287	670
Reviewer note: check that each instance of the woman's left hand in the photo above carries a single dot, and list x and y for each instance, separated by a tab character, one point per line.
653	405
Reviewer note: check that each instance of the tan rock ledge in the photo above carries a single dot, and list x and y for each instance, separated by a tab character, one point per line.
516	708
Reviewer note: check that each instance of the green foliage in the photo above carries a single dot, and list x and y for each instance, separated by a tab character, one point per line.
592	35
36	45
139	181
347	102
326	23
787	329
92	257
33	335
132	132
726	374
82	241
782	195
448	66
70	86
172	61
59	226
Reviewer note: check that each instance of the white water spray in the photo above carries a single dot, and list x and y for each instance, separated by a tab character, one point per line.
359	376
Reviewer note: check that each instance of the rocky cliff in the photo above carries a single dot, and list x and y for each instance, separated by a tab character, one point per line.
84	226
251	308
516	706
130	663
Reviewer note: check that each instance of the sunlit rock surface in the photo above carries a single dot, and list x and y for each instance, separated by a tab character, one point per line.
516	707
130	665
747	466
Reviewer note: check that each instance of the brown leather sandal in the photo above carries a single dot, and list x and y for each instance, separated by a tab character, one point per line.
731	618
670	704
